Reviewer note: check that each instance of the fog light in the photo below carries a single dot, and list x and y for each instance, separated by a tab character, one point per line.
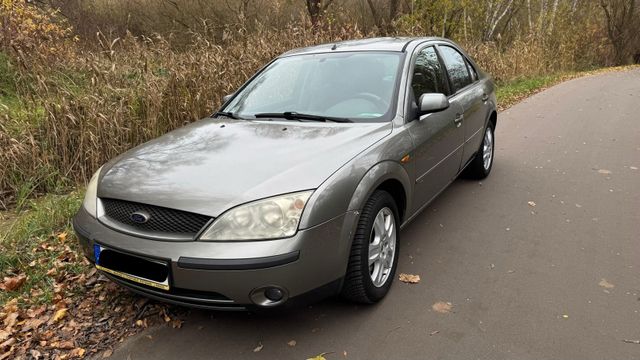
273	294
269	295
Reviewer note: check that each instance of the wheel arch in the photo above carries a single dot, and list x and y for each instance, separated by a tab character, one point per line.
493	118
388	176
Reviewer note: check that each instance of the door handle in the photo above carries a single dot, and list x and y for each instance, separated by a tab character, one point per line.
458	119
485	97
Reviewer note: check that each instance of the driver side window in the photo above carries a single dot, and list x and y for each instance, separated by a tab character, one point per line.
428	75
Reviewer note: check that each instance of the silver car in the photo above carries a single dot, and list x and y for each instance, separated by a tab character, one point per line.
298	187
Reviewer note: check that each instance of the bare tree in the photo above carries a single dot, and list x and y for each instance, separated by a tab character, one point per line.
554	10
496	10
621	23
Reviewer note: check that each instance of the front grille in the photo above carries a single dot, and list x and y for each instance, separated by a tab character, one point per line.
160	219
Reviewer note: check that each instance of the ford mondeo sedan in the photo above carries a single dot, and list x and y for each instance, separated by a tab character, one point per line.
300	184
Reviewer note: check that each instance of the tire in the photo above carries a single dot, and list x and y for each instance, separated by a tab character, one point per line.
362	283
477	169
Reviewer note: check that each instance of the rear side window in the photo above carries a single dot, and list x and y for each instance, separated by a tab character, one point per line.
428	75
456	67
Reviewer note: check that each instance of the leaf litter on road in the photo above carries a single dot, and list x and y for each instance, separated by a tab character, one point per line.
409	278
442	307
258	348
605	284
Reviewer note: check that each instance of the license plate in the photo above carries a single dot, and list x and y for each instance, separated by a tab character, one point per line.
153	273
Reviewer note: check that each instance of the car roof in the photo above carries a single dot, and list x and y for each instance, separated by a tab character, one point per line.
397	44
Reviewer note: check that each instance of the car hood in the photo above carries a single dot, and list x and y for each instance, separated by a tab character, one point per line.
212	165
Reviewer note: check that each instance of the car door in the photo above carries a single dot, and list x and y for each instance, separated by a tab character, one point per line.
437	137
466	91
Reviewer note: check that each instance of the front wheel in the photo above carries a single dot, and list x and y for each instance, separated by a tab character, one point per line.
480	166
374	252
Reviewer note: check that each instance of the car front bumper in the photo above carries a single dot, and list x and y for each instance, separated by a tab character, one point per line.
228	275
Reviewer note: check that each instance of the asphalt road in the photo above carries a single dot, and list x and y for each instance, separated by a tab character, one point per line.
525	282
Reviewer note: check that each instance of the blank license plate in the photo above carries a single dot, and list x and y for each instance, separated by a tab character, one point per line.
149	272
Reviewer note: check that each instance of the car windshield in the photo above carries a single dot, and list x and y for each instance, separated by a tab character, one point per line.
359	86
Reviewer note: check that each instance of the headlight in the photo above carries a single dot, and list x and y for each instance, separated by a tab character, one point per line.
271	218
90	202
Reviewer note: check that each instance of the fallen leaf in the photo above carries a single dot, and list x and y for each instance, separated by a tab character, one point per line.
176	324
13	283
35	312
78	352
433	332
59	315
10	320
442	307
632	341
258	348
531	203
107	353
292	343
66	345
35	354
409	278
62	236
565	316
604	172
633	168
32	324
4	335
605	284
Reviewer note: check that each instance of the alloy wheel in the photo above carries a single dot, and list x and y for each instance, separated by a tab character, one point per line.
487	148
382	247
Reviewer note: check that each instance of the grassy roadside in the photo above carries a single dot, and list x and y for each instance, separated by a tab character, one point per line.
512	92
53	303
36	243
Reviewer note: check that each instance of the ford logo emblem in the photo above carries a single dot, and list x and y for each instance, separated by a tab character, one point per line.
139	217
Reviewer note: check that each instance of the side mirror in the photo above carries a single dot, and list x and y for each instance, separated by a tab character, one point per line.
430	103
226	98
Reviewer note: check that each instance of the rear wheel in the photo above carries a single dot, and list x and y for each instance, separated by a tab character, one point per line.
481	165
374	252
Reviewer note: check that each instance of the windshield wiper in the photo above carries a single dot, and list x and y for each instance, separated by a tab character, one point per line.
292	115
227	114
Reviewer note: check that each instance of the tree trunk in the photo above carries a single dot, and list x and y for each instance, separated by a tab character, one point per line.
313	6
393	9
316	9
554	9
376	16
621	23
